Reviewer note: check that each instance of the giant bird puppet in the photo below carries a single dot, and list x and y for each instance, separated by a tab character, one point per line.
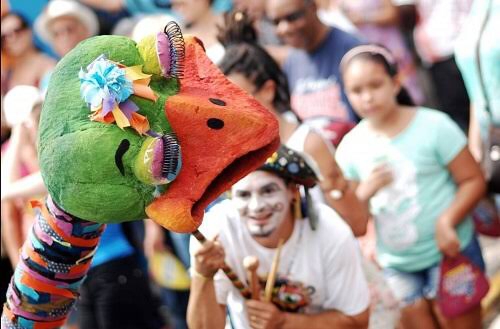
129	131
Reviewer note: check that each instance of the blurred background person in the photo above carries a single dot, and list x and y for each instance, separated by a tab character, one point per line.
378	21
22	62
312	66
330	13
201	20
22	106
413	167
479	37
65	23
437	26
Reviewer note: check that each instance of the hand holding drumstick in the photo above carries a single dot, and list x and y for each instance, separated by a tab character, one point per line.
251	264
224	267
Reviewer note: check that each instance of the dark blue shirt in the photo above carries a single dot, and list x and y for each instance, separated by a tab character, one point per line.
315	81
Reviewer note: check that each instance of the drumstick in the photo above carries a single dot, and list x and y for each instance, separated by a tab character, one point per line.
271	278
251	263
226	269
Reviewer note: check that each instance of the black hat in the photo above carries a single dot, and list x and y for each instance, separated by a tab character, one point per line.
292	166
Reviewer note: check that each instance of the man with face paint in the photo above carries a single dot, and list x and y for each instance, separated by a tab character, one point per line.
319	281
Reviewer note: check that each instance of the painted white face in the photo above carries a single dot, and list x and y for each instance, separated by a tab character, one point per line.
263	201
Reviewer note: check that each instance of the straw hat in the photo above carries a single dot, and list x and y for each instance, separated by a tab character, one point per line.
62	8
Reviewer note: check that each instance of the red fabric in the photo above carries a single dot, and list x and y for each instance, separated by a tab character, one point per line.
462	286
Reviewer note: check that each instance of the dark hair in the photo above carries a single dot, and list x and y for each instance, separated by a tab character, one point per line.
244	55
403	97
22	18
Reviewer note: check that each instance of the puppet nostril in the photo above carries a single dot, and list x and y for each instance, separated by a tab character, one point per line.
214	123
217	101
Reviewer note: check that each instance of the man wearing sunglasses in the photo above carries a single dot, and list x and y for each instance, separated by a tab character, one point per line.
312	66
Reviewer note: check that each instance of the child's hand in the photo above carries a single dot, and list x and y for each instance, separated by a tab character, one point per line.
447	239
380	177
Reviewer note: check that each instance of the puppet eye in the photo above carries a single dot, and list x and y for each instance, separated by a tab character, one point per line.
171	51
217	101
159	160
215	123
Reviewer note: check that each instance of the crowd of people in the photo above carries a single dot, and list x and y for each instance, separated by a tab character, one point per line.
386	112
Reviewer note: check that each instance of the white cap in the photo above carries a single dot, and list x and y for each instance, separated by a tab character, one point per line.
151	24
62	8
19	102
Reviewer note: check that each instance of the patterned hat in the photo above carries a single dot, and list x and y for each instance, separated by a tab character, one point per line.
291	165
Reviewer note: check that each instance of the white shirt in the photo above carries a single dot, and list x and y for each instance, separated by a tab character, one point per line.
322	265
439	24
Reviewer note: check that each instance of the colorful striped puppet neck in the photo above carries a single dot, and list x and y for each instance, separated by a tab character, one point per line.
54	261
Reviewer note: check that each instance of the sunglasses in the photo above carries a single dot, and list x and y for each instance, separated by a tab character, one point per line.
290	18
14	32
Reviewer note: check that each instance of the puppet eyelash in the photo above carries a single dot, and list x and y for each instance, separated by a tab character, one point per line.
177	49
171	157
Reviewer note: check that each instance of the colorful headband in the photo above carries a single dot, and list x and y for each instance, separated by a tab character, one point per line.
106	87
372	49
291	165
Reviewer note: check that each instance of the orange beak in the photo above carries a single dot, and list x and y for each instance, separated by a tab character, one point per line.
224	134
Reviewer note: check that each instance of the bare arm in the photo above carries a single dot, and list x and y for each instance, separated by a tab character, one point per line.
12	185
11	215
475	142
154	238
203	309
328	319
349	207
11	159
12	235
266	315
471	188
25	187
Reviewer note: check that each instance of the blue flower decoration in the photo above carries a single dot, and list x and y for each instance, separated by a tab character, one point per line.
104	82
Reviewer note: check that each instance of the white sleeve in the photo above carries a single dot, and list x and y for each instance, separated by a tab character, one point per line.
347	288
222	286
403	2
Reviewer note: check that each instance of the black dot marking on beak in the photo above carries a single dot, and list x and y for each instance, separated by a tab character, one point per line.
217	101
214	123
120	151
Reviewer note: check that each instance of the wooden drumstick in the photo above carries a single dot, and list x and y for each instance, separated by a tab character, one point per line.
226	269
251	264
271	278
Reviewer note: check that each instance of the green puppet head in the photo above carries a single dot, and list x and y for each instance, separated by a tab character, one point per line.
154	129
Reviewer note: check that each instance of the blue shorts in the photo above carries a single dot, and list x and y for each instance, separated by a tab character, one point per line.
408	287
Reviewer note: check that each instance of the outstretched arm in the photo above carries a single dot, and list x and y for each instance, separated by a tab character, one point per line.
25	187
348	206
